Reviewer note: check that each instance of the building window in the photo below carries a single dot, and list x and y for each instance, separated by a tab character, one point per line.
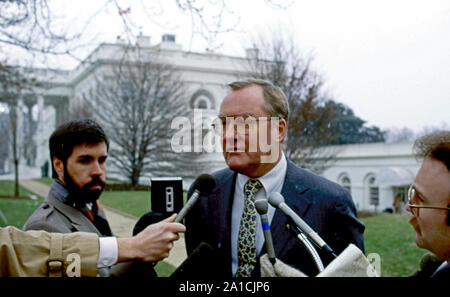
202	99
373	192
202	104
345	182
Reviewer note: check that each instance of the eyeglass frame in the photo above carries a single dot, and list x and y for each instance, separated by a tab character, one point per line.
245	123
411	197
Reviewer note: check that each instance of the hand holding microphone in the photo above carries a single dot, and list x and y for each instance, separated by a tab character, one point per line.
153	243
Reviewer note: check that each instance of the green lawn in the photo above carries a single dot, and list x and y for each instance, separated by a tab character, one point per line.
164	269
45	180
16	211
135	203
392	237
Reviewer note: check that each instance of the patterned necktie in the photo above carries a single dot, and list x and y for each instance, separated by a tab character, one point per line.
247	230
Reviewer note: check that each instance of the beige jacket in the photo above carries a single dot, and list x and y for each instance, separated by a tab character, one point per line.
39	253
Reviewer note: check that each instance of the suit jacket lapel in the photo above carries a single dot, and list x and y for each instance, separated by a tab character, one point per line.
294	194
220	204
78	220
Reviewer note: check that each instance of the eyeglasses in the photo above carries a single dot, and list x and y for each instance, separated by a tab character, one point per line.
242	125
414	196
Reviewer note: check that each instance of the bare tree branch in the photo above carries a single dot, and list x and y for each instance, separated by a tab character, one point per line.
135	101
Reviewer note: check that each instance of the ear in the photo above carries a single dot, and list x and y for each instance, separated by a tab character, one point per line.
58	165
282	129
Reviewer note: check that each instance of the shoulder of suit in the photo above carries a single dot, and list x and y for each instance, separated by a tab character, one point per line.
45	217
43	211
316	182
221	176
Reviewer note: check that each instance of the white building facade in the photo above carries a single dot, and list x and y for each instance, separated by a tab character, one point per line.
377	175
205	76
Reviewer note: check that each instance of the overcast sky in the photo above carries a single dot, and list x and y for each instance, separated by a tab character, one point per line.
387	60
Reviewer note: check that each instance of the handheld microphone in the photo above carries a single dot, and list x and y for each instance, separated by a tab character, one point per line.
277	200
261	207
203	185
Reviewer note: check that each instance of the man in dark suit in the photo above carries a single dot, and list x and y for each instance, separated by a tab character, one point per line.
429	202
256	112
78	150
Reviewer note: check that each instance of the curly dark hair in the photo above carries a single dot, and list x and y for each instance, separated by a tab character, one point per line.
435	145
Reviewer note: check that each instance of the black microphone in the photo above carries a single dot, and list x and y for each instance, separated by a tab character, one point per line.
198	264
203	185
261	207
277	200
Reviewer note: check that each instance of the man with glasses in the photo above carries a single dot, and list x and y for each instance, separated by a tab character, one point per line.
252	125
429	199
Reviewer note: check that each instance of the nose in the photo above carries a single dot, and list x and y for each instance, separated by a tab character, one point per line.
229	131
97	169
407	207
229	136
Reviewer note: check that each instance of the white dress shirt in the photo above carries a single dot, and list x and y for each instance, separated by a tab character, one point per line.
272	181
108	252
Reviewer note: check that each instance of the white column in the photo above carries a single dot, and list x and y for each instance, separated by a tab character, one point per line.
19	130
29	152
39	140
386	196
16	124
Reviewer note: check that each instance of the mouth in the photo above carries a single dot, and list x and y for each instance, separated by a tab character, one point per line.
95	187
234	152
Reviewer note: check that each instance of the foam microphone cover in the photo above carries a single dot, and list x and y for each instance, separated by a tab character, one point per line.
429	263
203	263
205	183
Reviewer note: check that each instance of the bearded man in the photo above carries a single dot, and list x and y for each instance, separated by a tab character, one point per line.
78	150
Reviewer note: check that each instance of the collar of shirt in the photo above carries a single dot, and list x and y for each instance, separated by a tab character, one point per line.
59	191
445	263
272	182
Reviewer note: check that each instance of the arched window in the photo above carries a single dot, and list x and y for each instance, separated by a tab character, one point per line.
345	182
202	103
202	99
373	191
